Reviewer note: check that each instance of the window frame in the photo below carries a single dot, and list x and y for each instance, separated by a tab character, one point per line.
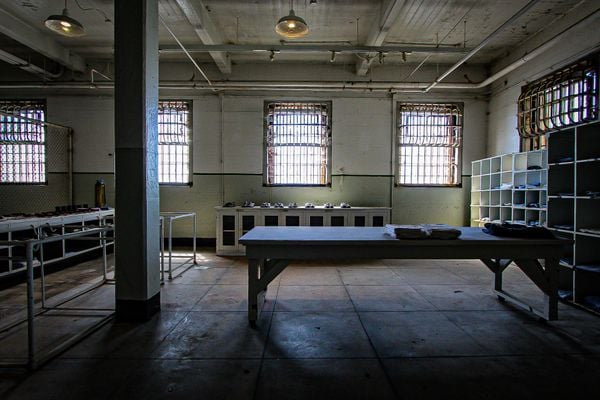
44	163
397	144
190	135
329	147
564	98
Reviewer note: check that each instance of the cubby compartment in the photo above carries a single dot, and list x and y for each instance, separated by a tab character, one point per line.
506	214
561	213
535	199
507	162
495	198
567	258
518	216
588	217
587	272
495	164
561	146
588	145
475	168
475	183
562	178
495	214
484	198
588	180
519	198
485	182
506	198
520	180
536	160
495	180
475	198
520	162
485	166
565	283
532	218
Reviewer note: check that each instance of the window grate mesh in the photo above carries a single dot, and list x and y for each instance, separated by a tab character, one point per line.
564	98
298	143
22	142
429	144
174	142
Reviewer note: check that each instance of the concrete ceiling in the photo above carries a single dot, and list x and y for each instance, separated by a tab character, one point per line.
447	23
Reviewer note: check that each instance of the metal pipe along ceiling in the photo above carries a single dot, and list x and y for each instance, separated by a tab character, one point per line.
387	86
482	44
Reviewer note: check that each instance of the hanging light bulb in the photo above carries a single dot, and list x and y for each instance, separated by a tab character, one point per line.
291	26
64	25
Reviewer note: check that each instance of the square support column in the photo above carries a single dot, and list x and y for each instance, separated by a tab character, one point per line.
136	160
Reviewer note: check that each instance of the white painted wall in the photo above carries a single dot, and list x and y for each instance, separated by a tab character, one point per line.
230	127
578	41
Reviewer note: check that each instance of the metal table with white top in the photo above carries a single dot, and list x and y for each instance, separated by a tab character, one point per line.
270	249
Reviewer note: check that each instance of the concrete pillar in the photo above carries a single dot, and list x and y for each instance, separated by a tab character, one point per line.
136	160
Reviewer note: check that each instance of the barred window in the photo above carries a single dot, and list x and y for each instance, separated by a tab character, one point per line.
174	142
297	144
22	142
429	141
561	99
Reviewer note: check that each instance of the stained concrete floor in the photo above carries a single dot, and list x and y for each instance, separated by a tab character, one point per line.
376	329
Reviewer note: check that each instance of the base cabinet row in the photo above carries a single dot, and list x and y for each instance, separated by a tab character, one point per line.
234	222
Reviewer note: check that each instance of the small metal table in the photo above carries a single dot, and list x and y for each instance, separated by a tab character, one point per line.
271	249
169	217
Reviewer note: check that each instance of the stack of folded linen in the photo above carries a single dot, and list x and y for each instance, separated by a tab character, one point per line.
442	231
422	231
406	231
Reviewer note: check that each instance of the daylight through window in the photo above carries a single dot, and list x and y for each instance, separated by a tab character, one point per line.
298	143
174	142
22	142
429	144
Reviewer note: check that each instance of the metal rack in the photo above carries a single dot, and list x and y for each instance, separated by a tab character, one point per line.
34	227
33	248
169	217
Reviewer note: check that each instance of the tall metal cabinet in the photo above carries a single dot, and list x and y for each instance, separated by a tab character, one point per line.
574	209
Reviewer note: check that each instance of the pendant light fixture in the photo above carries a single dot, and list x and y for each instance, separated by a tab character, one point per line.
65	25
291	26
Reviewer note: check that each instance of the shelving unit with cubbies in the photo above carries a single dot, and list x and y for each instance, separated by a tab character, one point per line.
574	209
510	188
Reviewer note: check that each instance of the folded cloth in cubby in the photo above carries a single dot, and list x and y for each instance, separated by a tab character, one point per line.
595	231
422	231
588	267
592	302
518	230
565	294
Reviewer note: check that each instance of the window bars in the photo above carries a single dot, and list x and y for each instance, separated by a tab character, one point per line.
297	144
174	142
429	144
564	98
22	142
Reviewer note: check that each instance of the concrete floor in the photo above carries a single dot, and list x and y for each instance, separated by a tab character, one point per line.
376	329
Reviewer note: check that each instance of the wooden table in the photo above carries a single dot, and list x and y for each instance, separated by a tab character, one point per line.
270	249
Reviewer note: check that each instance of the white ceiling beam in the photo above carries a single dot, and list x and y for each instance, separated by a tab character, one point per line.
207	31
379	32
44	44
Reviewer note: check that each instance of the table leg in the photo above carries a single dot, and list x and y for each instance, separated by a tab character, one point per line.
256	291
551	267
